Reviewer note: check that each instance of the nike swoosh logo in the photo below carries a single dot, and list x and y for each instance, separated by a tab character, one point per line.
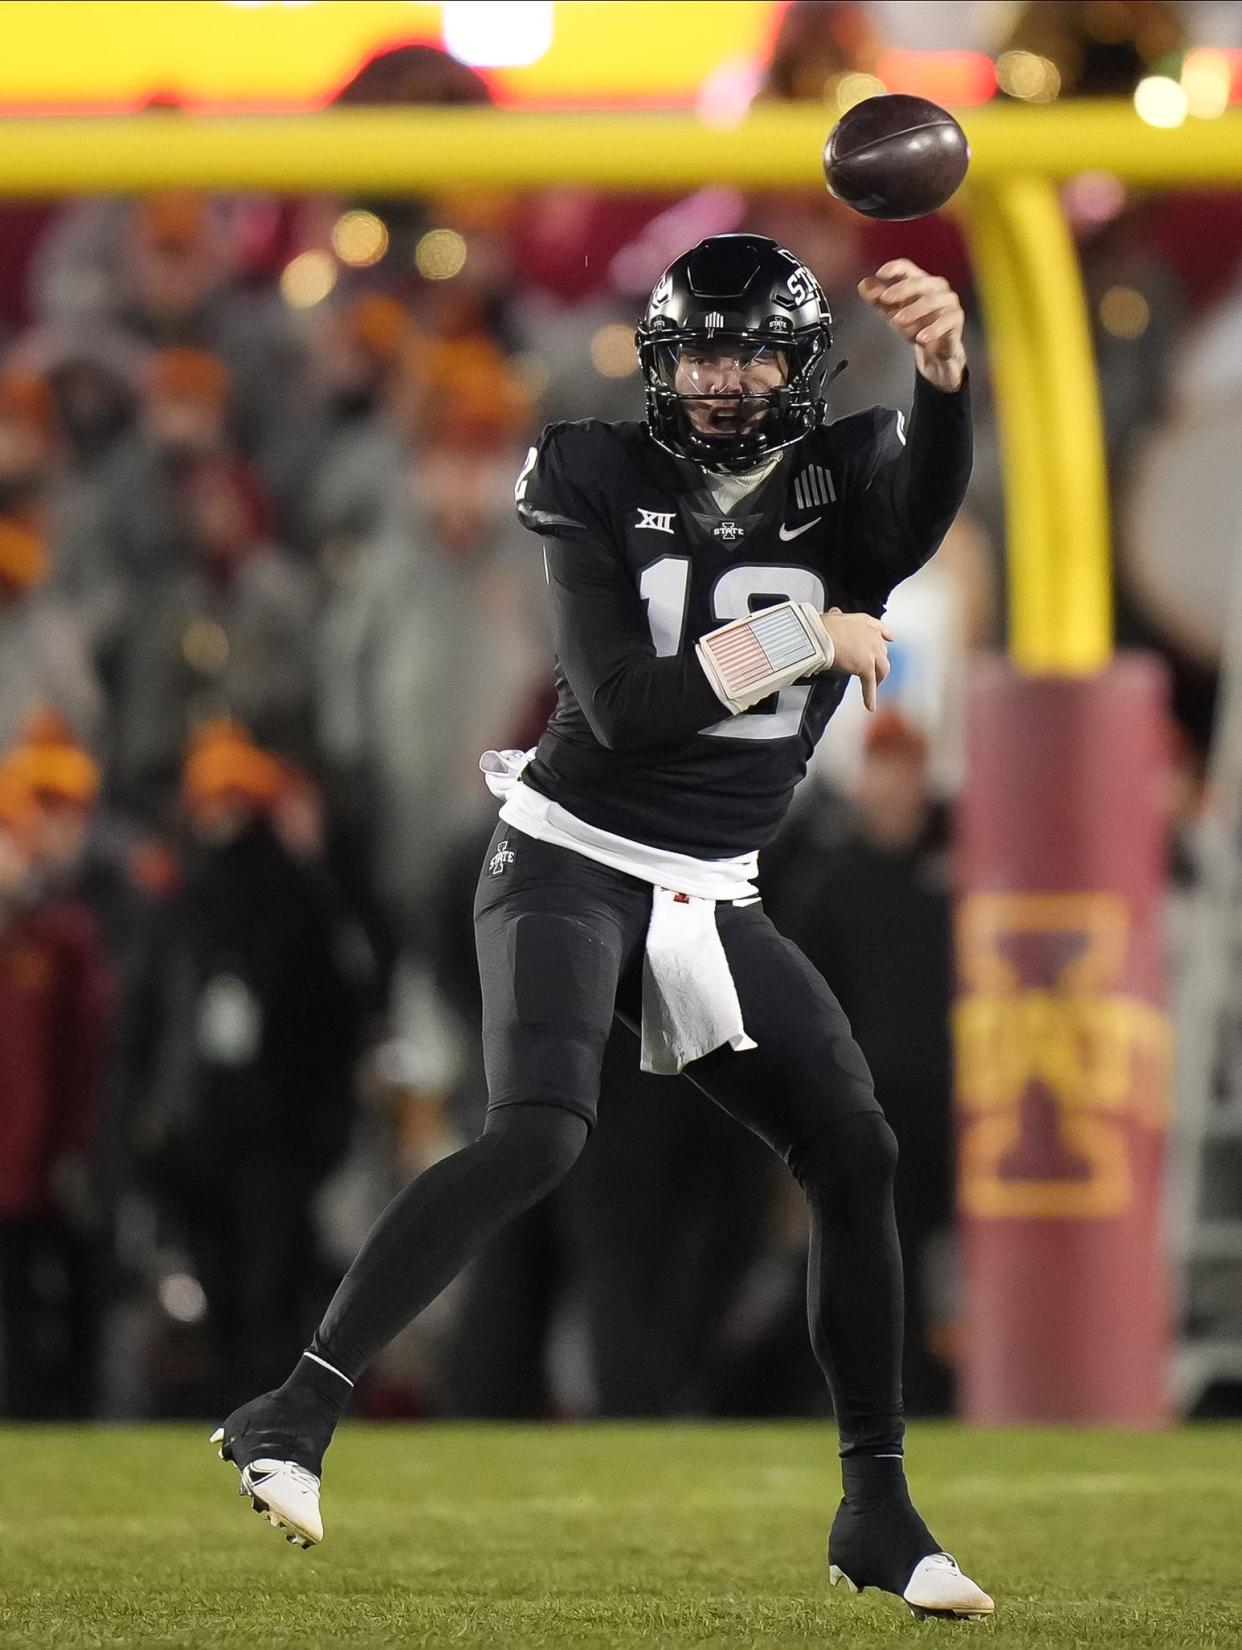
796	532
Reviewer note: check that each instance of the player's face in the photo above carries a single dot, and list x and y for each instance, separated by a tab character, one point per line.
736	379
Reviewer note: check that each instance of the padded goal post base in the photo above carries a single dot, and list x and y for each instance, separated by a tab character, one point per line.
1063	1047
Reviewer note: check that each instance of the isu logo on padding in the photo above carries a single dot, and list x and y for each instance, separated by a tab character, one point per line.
1063	1069
659	521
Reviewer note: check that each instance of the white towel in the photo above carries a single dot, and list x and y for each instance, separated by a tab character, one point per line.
501	769
690	1001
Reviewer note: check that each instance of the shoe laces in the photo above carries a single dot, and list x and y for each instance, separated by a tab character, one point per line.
301	1476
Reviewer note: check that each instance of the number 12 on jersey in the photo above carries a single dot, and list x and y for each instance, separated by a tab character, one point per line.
739	591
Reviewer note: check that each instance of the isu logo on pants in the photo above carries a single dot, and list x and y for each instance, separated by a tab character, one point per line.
502	858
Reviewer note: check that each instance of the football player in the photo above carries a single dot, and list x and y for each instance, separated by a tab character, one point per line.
717	574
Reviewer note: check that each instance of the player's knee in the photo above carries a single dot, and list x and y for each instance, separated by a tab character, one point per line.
859	1153
873	1149
559	1067
540	1144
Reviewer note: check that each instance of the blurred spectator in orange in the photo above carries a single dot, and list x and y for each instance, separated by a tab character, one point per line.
468	410
160	271
869	904
189	399
178	291
55	1015
99	861
76	398
229	630
64	782
341	450
466	263
177	261
440	611
240	1071
135	535
95	383
28	443
43	657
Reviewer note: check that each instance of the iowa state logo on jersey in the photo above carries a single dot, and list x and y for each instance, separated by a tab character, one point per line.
729	531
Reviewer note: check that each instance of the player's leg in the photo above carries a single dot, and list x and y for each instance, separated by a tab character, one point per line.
553	934
807	1091
419	1244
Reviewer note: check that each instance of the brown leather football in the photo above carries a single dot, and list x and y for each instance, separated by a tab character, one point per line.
895	156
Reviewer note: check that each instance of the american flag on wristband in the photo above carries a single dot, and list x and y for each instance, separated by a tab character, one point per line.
767	642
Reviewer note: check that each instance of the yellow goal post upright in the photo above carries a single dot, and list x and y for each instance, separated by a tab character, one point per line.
1062	1043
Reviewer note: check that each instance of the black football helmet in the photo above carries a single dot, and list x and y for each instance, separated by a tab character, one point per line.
748	292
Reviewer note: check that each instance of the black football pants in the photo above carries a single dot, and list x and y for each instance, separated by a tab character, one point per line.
560	943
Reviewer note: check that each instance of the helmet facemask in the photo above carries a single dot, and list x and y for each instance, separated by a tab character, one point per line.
728	399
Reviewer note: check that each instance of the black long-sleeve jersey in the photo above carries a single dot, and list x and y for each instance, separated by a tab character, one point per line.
642	562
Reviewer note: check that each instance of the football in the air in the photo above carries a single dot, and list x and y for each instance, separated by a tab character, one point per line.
895	157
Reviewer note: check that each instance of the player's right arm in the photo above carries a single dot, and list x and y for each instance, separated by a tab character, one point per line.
630	697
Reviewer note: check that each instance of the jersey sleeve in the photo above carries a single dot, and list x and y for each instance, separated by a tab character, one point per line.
632	699
550	495
902	486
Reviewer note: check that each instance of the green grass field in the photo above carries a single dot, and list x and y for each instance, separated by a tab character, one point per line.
610	1536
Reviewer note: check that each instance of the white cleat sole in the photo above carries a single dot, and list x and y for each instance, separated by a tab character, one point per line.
287	1496
922	1613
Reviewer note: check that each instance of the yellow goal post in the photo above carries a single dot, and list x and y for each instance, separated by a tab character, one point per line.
1056	500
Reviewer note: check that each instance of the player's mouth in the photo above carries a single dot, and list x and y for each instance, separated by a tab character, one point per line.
737	415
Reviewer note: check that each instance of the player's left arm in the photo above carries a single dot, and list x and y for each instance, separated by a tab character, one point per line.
920	474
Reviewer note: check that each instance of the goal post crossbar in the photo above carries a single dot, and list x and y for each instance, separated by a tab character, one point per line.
1058	534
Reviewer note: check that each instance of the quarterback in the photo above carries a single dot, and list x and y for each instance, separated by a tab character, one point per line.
717	573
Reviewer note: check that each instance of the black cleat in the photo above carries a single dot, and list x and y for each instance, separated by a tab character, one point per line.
278	1449
884	1543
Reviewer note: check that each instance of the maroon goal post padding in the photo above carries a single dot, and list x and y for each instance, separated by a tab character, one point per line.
1063	1047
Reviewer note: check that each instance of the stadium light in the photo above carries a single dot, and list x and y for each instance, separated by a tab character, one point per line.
510	35
1161	101
1207	79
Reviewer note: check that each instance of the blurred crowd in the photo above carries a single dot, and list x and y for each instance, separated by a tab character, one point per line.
263	601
